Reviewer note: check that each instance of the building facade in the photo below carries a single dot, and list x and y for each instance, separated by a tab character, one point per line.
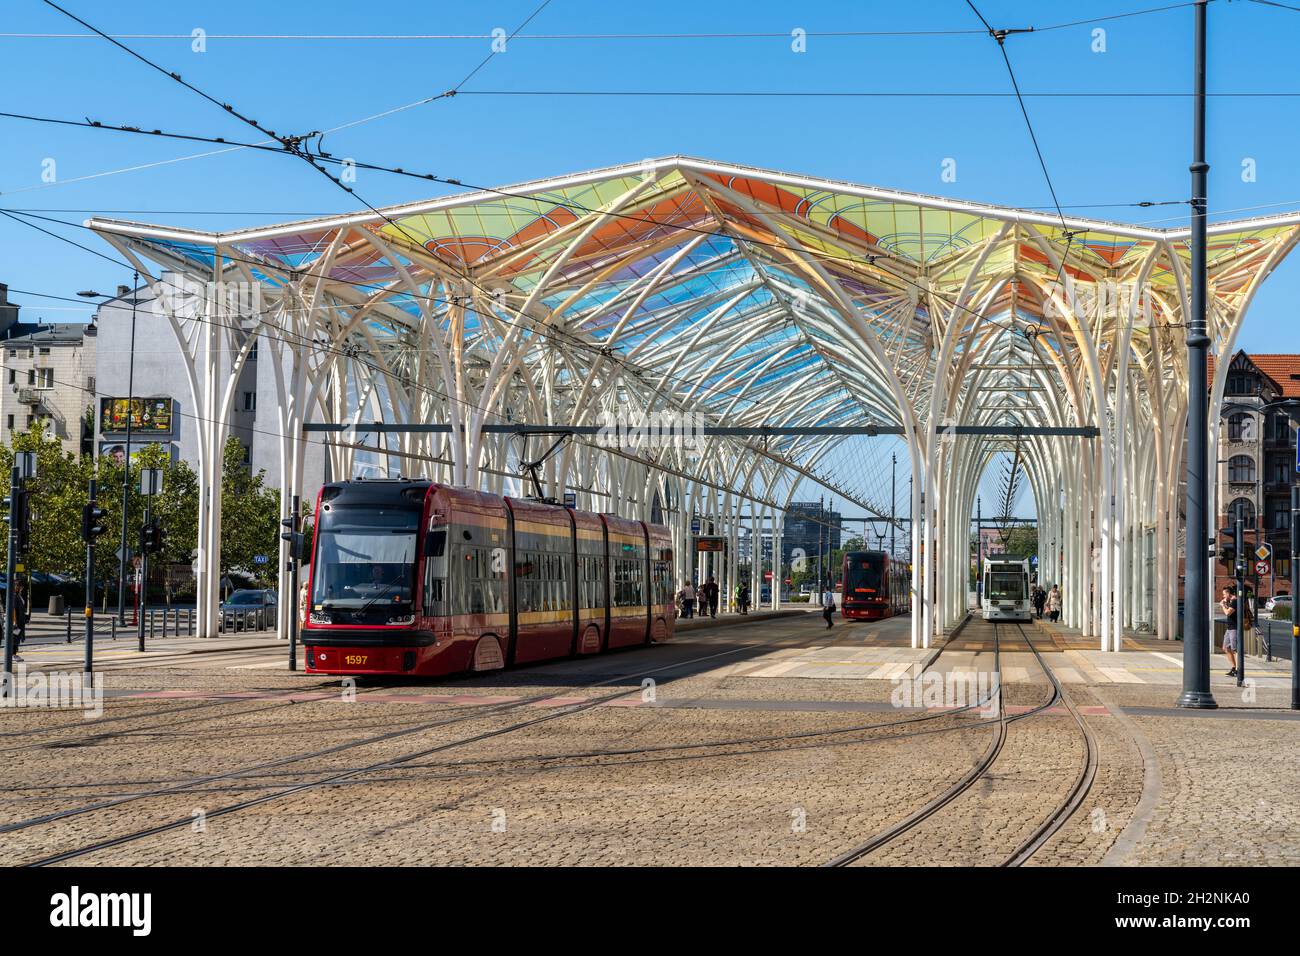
1257	462
163	403
50	370
811	528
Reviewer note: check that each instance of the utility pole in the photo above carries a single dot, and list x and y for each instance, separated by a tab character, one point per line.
1295	584
1196	607
126	461
1239	572
150	541
91	528
14	503
294	537
821	526
893	505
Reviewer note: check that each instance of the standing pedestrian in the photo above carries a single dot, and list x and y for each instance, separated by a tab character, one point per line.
1040	600
709	597
744	598
686	597
22	613
1054	604
1227	604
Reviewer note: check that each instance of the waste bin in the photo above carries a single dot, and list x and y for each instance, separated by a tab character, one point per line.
56	605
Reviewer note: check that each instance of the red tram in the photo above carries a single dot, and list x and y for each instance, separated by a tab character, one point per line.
875	586
416	578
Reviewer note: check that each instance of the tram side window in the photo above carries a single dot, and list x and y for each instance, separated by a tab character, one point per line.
629	582
663	577
435	573
477	588
542	581
591	574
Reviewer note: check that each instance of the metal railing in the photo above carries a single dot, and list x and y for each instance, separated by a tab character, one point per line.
169	622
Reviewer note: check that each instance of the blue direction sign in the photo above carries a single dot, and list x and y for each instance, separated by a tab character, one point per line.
695	526
260	559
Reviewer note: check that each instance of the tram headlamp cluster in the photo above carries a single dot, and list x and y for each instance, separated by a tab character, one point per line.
321	617
402	619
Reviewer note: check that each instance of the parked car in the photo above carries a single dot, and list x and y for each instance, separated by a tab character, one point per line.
1273	602
255	605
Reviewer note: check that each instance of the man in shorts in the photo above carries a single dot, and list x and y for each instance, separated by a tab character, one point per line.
1228	605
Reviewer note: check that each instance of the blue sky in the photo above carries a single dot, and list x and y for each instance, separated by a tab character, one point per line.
1098	150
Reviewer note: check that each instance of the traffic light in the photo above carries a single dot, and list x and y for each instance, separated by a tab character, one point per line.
91	516
19	517
151	538
293	536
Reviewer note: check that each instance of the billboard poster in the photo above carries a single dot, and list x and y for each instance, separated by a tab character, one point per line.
117	449
149	416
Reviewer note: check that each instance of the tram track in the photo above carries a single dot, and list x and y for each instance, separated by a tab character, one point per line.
332	777
1062	812
256	777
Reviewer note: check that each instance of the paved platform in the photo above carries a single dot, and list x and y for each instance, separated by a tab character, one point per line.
862	651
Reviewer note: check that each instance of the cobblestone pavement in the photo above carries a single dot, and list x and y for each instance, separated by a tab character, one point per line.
707	766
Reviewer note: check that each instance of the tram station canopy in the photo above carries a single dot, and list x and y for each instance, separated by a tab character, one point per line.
750	297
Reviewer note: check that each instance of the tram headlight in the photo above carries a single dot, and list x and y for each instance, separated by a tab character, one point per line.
402	619
321	617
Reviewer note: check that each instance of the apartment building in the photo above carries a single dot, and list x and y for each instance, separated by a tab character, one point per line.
49	376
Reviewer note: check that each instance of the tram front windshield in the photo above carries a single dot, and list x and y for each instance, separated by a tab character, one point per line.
364	555
1006	586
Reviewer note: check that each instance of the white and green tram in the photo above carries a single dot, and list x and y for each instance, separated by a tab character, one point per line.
1006	589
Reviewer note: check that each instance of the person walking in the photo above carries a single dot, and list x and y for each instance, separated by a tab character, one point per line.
686	598
709	597
743	599
1040	600
22	614
828	608
1054	604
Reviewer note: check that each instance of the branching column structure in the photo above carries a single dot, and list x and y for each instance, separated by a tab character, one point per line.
689	292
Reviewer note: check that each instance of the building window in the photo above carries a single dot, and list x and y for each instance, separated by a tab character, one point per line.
11	423
252	352
12	374
250	401
248	455
1241	427
1243	509
45	377
1282	429
1241	468
31	376
1282	519
1239	385
45	351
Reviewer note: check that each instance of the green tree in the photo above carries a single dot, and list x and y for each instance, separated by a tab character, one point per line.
250	517
58	493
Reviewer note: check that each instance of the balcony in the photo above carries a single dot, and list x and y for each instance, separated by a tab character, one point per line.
29	396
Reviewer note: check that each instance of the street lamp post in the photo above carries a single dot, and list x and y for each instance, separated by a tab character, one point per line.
1196	637
1295	587
126	462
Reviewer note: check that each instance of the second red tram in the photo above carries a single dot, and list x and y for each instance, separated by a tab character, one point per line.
416	578
875	586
